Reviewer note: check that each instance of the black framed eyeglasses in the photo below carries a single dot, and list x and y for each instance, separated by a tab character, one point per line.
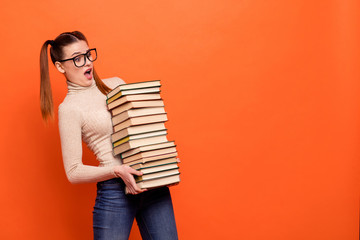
80	60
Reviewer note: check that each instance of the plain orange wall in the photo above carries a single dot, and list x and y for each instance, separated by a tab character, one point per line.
263	102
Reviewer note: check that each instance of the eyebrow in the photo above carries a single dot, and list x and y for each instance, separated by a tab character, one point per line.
79	53
75	53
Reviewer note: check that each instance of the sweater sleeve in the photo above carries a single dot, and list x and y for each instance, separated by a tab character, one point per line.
71	147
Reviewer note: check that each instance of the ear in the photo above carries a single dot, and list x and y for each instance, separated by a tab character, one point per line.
60	67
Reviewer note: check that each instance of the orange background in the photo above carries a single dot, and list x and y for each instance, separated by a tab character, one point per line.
263	102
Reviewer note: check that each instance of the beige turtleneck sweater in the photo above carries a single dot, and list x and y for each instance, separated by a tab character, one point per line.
83	116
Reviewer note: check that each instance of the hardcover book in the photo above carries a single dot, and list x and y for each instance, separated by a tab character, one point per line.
158	168
138	142
152	154
140	137
136	112
157	162
133	91
154	175
151	158
129	86
137	129
158	182
137	104
132	98
147	148
140	120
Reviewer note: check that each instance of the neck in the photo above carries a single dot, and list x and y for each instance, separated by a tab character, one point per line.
73	87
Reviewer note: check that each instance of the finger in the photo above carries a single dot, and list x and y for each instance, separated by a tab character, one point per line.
128	190
130	185
134	185
135	172
133	191
130	182
137	191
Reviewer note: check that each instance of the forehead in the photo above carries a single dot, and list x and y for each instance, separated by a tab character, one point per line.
75	48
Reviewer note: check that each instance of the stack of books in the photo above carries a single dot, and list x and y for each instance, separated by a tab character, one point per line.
140	136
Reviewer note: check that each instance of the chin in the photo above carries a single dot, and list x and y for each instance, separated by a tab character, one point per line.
81	80
88	82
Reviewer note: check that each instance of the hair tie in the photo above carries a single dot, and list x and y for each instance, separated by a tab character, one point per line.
52	43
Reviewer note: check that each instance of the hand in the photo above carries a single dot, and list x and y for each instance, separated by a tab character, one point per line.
126	174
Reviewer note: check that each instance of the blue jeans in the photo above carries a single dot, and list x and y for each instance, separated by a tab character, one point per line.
114	212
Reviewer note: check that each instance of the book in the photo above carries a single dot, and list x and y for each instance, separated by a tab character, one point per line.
148	155
137	104
138	142
147	148
139	136
158	168
133	91
135	97
137	129
154	175
157	162
151	158
136	112
158	182
139	121
128	86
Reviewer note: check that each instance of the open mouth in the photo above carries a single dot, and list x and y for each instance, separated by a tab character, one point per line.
88	73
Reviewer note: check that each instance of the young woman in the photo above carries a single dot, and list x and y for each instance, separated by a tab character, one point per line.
83	116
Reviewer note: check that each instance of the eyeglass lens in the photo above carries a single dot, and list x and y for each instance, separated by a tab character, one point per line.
80	60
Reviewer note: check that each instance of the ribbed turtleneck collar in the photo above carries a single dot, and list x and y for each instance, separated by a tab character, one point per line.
74	88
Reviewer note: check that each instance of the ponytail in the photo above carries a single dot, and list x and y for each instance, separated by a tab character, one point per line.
100	84
46	100
57	45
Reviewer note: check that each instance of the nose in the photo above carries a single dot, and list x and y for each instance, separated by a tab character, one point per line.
88	63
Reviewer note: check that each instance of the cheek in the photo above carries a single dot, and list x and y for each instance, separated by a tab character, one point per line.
74	71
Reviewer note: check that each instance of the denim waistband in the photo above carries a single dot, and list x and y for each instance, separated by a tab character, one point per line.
112	181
